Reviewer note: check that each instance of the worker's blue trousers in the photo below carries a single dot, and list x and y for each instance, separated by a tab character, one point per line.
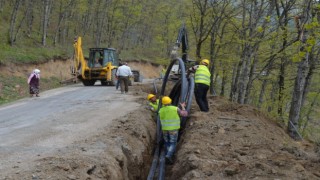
170	139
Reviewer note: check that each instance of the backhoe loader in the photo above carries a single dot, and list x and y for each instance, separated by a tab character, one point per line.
101	65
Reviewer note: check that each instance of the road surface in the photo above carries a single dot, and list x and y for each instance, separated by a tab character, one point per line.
34	128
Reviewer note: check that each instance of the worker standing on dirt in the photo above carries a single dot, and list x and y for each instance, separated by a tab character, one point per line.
34	83
163	72
124	73
153	102
170	125
202	84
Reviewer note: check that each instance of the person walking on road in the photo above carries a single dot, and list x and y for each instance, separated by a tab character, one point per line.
34	83
124	73
202	84
118	81
170	125
153	102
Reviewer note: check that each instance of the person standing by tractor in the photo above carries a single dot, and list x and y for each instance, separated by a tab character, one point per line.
202	84
34	83
118	81
170	125
153	102
124	73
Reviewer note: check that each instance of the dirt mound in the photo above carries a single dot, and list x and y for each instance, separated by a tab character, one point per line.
147	69
234	141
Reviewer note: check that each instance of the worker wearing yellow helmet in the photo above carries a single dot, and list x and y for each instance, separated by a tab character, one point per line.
202	83
153	102
170	124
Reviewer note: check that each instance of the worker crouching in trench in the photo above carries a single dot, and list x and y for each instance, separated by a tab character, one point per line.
170	125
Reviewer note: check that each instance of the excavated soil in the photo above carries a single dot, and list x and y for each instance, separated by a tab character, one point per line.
235	141
231	141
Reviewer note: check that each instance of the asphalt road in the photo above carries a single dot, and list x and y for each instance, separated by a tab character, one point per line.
37	127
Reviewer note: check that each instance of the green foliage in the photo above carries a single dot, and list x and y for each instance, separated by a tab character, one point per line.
29	54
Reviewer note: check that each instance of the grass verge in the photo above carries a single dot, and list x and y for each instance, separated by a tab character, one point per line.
15	88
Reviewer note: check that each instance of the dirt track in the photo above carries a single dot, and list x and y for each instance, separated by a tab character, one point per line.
34	130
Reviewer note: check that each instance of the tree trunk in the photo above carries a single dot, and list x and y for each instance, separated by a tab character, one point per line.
224	81
296	102
30	19
281	87
272	97
13	22
302	72
212	59
2	3
235	75
45	21
264	85
251	77
243	79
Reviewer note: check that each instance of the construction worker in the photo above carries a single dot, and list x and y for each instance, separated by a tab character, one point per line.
163	72
153	102
170	125
124	73
202	84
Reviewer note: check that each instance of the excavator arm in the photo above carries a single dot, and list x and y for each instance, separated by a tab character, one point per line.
182	40
80	63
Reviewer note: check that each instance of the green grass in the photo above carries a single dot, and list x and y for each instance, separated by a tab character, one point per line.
13	88
27	55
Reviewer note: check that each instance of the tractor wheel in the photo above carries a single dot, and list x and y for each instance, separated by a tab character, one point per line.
88	82
104	82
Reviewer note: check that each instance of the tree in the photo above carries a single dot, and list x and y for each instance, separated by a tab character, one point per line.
14	13
201	23
306	50
45	20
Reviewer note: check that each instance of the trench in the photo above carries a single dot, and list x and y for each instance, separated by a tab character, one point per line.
154	165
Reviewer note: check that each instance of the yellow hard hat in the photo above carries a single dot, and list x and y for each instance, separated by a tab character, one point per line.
166	100
206	61
150	96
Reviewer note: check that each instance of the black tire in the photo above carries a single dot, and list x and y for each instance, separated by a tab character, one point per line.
88	82
104	82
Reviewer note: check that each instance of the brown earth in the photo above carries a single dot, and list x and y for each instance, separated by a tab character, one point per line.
231	141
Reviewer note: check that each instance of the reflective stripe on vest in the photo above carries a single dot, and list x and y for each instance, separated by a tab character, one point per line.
202	75
169	118
155	105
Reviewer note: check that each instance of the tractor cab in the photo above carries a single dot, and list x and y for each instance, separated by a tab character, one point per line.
100	57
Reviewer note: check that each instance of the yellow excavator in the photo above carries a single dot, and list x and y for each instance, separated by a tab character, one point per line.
101	65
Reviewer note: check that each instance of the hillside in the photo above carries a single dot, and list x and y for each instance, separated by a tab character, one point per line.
231	141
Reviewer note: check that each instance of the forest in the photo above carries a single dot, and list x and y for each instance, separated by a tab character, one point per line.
262	52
